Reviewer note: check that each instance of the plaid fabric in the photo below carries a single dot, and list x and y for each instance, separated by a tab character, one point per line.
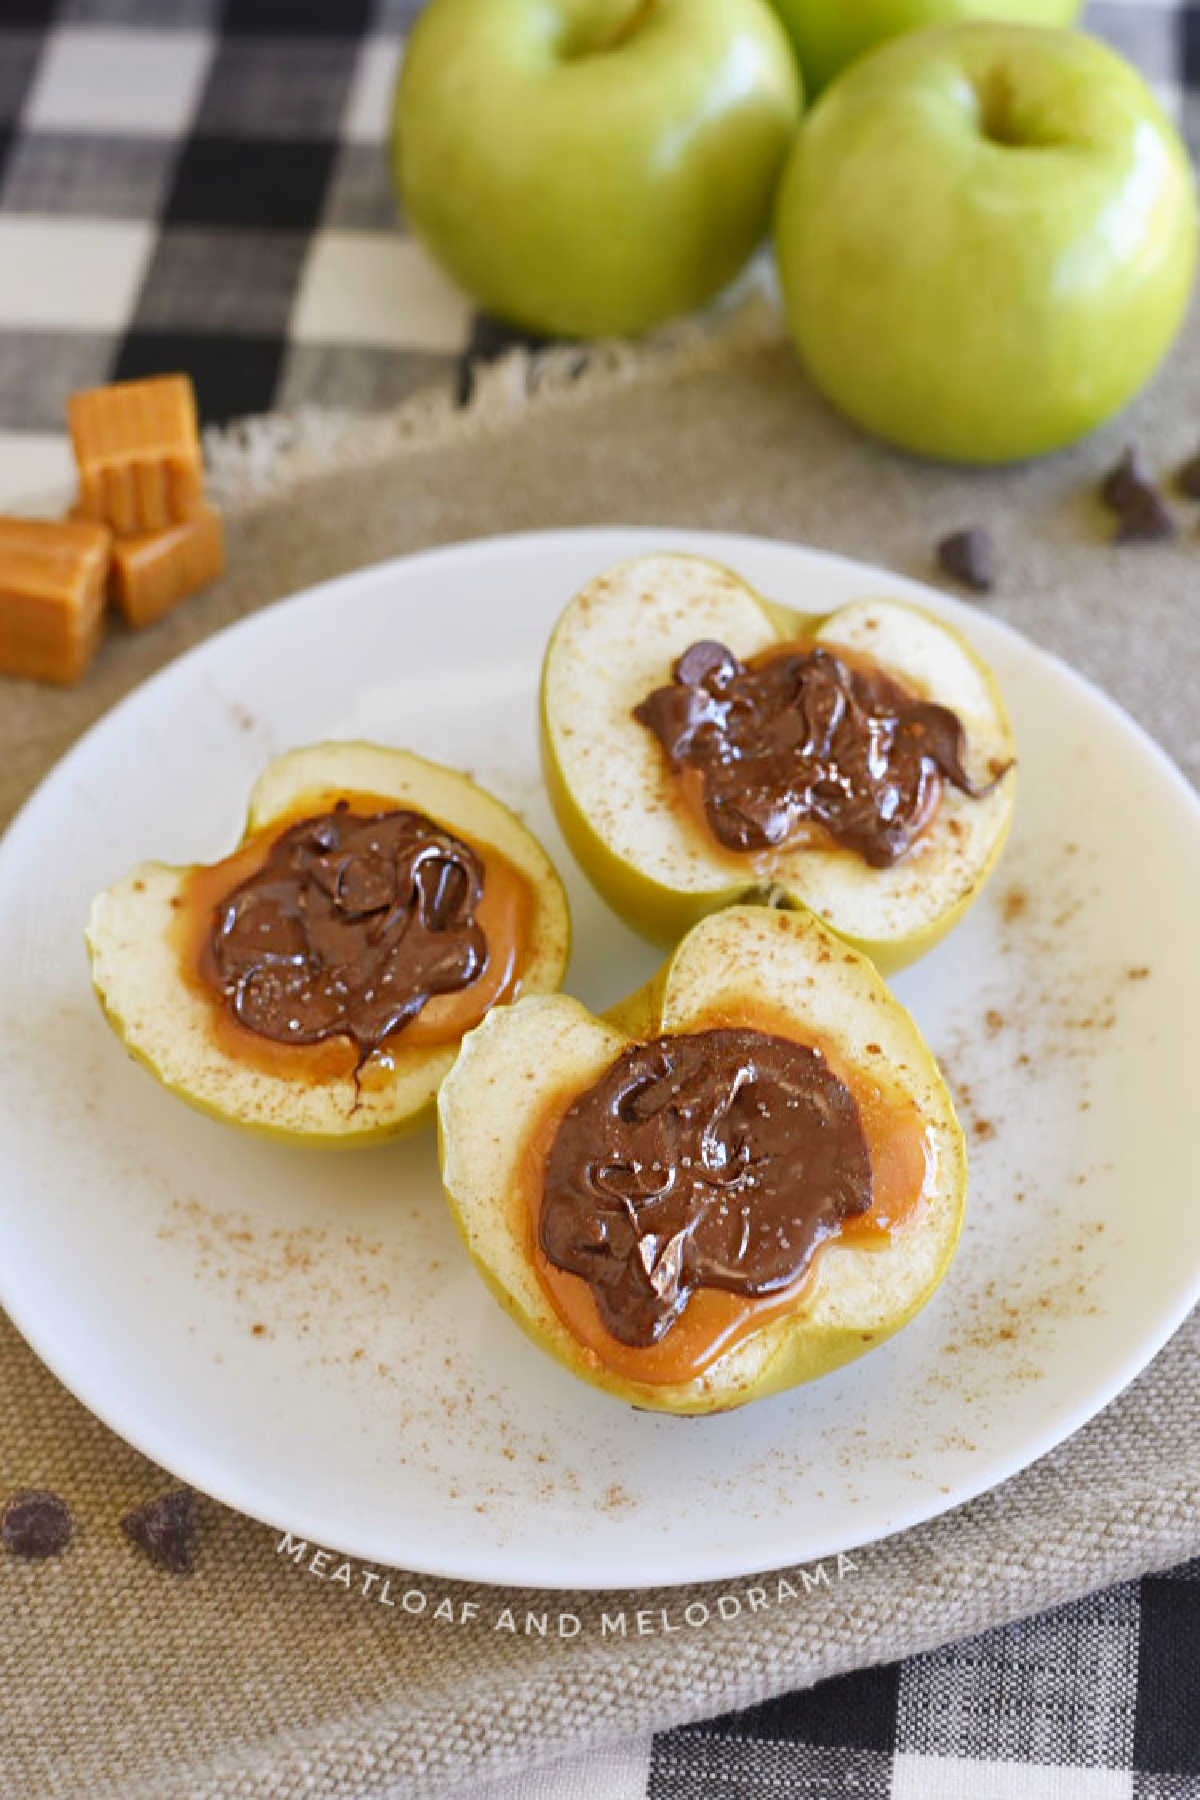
186	184
1095	1701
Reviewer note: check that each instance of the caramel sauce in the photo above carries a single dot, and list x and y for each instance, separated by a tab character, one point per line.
713	1320
503	913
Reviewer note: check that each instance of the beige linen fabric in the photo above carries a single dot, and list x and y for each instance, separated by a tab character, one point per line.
256	1678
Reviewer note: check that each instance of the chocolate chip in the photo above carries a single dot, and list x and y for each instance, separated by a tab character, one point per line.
165	1529
705	661
1188	479
1145	519
1128	490
967	557
35	1524
1125	484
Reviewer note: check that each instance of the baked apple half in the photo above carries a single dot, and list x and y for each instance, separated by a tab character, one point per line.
316	983
744	1176
702	746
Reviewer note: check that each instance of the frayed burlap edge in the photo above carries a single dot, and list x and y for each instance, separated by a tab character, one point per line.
255	458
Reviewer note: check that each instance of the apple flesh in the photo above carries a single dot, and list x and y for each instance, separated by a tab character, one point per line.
617	801
526	1058
828	34
167	1024
986	238
592	167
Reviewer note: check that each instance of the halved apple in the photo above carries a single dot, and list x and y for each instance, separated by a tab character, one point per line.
748	968
620	806
145	936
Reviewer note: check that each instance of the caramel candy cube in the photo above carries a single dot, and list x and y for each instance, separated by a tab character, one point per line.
52	579
138	451
154	569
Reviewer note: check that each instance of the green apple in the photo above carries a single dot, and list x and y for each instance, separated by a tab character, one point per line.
986	238
169	1024
748	966
592	167
615	795
828	34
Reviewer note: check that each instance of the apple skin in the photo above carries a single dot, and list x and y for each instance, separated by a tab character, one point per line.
986	238
828	34
587	168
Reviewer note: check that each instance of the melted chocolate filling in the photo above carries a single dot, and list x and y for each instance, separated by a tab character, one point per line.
349	927
800	736
718	1159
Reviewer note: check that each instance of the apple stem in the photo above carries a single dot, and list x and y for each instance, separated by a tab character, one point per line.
594	29
996	105
641	11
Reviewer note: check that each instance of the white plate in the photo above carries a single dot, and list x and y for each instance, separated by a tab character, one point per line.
301	1335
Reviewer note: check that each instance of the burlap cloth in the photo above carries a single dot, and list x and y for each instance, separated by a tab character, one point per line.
255	1679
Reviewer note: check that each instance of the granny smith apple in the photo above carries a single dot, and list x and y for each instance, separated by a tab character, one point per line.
592	167
617	798
758	970
828	34
143	954
986	238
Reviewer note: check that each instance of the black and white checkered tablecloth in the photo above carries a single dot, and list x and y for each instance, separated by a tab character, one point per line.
136	235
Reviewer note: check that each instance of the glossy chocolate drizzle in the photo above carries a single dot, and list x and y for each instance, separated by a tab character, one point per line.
801	737
348	928
717	1159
